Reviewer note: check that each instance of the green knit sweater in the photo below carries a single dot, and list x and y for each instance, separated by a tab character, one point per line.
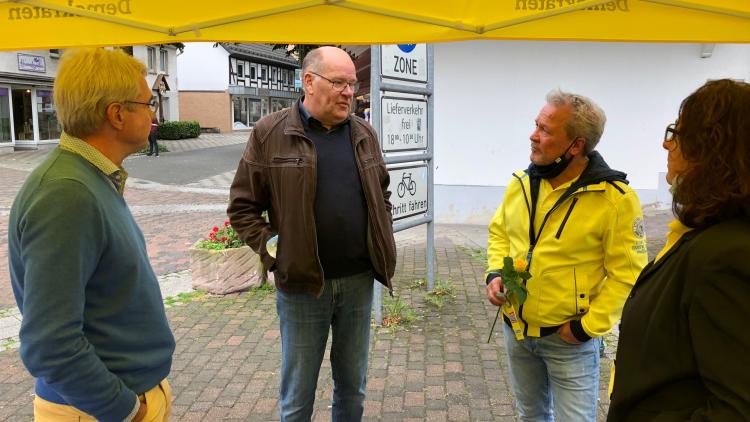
94	331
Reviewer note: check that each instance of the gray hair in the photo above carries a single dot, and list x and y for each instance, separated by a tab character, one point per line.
312	61
587	120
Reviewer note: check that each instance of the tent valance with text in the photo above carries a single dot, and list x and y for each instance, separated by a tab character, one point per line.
37	24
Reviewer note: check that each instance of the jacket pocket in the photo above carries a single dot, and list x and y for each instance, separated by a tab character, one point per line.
367	161
288	161
562	295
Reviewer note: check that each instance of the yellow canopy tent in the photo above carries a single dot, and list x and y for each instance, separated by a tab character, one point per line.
37	24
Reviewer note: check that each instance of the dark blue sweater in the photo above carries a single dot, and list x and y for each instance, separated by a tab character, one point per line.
94	332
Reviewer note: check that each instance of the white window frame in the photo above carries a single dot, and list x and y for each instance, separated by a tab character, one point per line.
164	60
151	59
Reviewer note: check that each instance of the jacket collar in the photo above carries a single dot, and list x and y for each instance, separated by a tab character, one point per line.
295	126
653	266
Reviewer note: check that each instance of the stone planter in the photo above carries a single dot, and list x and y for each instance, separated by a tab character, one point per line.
225	271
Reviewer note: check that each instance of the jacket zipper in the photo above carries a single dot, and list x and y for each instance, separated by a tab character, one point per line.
295	160
565	220
315	185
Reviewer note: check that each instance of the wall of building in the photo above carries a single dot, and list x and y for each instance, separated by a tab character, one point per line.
203	67
488	93
9	62
194	106
170	99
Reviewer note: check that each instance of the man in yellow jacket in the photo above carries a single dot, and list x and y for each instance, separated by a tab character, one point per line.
579	227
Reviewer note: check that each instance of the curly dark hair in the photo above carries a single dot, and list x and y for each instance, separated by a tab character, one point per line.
714	139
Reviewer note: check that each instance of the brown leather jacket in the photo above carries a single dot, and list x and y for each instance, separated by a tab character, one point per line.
277	174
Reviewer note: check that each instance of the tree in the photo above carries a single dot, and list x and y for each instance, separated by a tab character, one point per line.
299	51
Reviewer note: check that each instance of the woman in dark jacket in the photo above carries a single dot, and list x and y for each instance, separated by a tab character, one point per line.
684	348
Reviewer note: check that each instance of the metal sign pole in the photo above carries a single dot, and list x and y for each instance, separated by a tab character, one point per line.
430	253
377	301
406	136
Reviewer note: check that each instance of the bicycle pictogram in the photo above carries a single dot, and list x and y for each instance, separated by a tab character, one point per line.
405	184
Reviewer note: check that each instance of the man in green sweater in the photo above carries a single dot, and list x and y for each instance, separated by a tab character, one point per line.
94	332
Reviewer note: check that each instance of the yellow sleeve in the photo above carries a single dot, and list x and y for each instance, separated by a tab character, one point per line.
625	255
498	245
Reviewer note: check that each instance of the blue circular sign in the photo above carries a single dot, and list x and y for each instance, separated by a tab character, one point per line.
406	48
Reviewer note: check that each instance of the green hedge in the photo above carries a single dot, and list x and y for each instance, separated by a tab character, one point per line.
179	130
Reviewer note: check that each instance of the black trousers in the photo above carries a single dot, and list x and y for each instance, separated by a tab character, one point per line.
153	147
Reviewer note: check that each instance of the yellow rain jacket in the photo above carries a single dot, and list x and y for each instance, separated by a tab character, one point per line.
590	247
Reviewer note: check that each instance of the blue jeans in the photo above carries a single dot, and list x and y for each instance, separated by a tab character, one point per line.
550	376
344	307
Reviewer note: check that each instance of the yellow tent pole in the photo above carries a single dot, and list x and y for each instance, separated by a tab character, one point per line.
702	8
544	15
195	27
452	24
93	15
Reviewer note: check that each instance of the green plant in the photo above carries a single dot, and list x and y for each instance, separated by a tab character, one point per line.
224	237
396	312
479	254
9	343
514	275
444	290
418	284
185	297
178	129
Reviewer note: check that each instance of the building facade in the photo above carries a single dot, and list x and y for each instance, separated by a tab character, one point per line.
229	86
27	111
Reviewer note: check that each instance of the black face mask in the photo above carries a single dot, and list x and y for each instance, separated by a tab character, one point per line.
552	170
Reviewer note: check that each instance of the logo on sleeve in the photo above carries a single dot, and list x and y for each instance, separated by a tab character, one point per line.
638	229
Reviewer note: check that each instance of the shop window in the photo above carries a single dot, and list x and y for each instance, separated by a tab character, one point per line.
164	61
151	51
49	127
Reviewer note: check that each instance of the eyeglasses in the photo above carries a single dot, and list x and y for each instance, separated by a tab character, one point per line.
670	134
151	103
339	85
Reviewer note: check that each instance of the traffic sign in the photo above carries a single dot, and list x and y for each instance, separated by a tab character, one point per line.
408	190
404	61
403	124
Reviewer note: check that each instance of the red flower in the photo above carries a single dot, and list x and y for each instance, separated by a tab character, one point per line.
216	229
223	238
226	223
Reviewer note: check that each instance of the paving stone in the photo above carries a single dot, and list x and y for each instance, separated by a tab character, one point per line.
226	365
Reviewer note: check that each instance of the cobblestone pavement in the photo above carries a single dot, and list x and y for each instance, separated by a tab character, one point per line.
226	366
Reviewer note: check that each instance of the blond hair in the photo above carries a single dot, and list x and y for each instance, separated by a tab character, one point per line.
90	79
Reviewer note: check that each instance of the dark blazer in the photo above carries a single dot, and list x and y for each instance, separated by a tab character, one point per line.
684	348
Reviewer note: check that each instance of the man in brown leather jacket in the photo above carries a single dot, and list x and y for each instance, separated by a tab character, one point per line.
319	173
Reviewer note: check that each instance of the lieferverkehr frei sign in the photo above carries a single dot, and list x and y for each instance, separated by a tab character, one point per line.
404	123
406	62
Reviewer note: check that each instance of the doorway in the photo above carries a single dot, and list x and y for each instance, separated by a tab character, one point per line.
23	117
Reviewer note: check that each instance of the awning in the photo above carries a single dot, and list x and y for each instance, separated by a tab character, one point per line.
37	24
